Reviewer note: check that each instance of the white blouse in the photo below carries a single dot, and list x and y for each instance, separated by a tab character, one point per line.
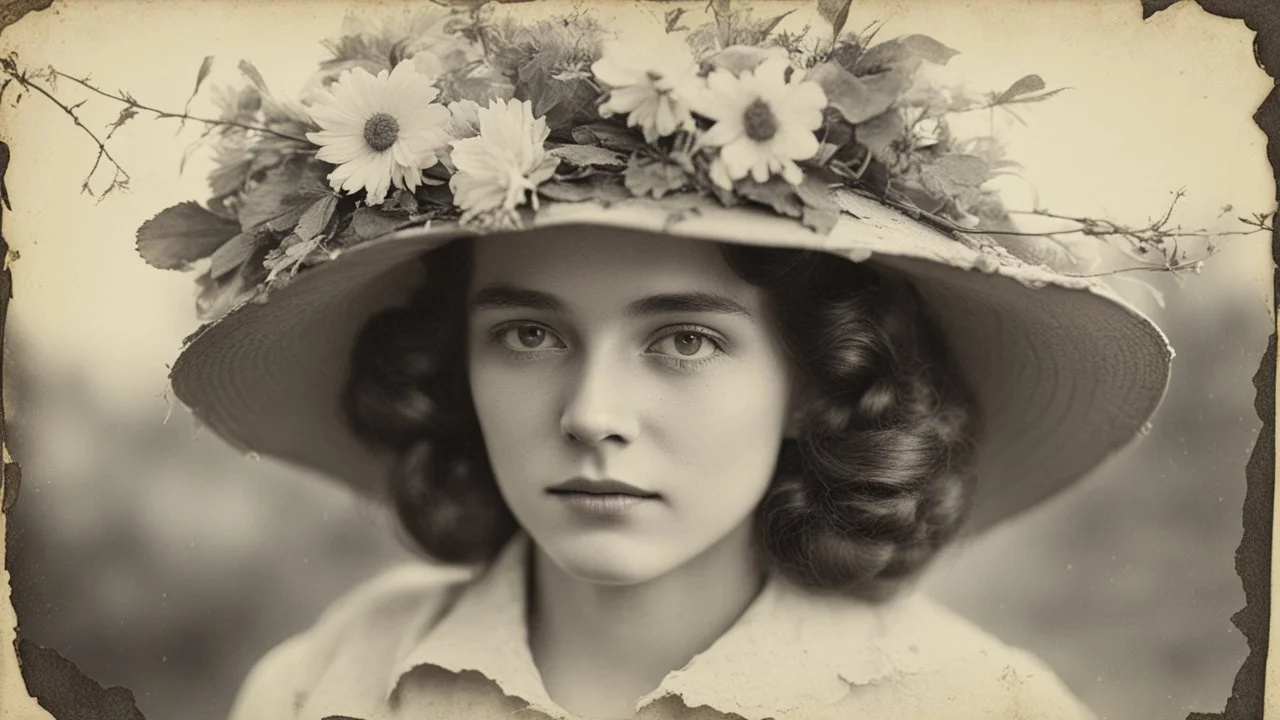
425	641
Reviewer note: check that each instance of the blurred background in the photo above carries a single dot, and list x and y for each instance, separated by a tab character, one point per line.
156	558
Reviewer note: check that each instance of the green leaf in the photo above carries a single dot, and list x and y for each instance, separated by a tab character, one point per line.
903	52
218	296
182	234
234	253
316	217
835	12
549	61
567	191
928	49
369	223
294	252
609	136
597	188
776	193
279	199
372	51
1022	86
653	177
879	132
589	156
1021	91
254	76
205	67
859	98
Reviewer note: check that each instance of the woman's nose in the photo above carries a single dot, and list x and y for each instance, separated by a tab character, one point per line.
597	408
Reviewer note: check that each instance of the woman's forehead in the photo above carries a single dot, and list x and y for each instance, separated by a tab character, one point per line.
592	263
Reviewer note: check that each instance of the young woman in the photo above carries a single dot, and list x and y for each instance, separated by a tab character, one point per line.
700	477
663	364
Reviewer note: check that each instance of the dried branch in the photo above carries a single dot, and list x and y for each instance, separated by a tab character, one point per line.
119	178
162	114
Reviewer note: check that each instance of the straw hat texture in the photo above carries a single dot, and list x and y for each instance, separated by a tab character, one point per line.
1065	372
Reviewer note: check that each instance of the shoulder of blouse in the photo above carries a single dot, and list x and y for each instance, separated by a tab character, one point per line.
976	668
359	626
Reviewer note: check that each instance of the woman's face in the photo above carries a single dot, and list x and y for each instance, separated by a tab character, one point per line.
639	358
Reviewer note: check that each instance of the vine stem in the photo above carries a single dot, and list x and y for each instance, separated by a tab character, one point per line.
1146	268
102	147
1114	229
184	116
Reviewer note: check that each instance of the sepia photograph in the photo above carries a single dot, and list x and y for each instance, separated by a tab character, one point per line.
583	360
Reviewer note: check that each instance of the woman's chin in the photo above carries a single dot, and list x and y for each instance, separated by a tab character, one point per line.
607	561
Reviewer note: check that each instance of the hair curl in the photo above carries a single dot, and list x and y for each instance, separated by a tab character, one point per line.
878	479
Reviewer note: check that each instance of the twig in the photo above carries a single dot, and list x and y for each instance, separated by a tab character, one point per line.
132	102
26	82
1151	234
1194	265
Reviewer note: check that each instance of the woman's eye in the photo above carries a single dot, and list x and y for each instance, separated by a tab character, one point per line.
686	345
524	338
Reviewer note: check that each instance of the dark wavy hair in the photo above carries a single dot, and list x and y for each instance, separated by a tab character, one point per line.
877	481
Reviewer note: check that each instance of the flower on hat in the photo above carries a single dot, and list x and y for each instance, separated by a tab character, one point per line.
763	122
464	119
505	161
379	130
650	84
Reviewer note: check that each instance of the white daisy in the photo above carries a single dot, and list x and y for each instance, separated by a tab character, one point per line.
379	131
503	163
763	123
650	83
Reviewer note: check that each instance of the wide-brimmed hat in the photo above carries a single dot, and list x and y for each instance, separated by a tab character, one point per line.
741	145
1064	372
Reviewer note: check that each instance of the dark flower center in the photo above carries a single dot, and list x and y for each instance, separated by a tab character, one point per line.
759	121
381	131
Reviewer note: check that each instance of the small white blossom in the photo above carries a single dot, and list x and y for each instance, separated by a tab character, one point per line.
504	163
649	82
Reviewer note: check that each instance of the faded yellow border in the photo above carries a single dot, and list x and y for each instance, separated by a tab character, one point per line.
15	702
13	691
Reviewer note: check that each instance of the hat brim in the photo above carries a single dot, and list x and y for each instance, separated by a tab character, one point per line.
1065	372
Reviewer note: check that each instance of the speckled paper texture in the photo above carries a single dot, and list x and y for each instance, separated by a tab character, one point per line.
1097	147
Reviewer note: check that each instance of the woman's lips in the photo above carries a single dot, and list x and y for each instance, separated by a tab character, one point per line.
601	498
601	504
600	487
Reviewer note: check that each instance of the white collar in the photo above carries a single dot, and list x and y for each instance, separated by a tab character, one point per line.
791	648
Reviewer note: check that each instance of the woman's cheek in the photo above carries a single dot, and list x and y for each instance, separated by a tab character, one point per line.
730	422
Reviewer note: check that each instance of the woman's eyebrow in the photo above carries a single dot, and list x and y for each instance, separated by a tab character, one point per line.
502	295
686	302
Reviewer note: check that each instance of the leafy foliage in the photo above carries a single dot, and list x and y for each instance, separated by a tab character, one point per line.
182	234
549	63
884	134
654	177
